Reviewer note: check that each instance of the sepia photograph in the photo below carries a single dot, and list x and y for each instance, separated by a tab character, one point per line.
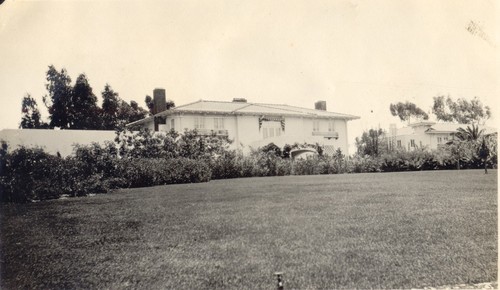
221	144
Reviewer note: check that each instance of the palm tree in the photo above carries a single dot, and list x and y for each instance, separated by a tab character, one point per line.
469	134
466	144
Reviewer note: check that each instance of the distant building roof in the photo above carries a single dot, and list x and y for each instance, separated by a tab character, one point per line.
452	128
245	108
445	128
439	128
422	123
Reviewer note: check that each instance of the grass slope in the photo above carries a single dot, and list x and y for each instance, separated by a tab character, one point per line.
391	230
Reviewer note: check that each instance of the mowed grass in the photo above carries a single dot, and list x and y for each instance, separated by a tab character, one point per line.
386	230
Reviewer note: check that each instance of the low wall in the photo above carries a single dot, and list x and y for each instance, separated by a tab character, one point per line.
53	141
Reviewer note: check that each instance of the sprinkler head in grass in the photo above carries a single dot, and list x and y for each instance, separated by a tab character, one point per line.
279	276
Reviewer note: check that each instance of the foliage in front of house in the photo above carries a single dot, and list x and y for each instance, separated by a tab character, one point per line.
144	159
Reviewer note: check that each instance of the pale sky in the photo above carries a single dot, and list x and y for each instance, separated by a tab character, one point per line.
359	56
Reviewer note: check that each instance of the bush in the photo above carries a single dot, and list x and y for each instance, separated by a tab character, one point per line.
142	172
310	166
148	144
97	159
30	174
226	165
362	164
268	164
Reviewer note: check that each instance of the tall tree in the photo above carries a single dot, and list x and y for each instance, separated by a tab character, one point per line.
405	111
84	108
371	142
467	145
110	106
58	101
75	107
460	111
31	118
471	133
128	113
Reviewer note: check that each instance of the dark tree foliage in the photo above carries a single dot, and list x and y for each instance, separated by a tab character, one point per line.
460	111
116	113
471	133
31	118
59	99
483	153
135	112
370	143
110	106
405	111
84	108
151	105
75	107
128	113
286	150
272	148
170	104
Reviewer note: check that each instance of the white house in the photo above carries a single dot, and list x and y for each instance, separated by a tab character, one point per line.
252	125
426	134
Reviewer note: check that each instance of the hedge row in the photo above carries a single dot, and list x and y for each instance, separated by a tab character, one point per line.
145	159
30	174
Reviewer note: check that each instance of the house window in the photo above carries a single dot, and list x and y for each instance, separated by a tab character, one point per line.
440	140
172	124
218	123
412	143
445	138
199	123
271	129
277	131
315	125
331	126
399	143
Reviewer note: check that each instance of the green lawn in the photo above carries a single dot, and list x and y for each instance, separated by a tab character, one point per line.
384	230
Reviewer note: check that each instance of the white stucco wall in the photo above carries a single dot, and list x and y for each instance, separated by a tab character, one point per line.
245	133
53	141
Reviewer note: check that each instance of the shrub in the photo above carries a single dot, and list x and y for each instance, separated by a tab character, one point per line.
310	166
142	172
268	164
30	174
361	164
245	164
148	144
226	165
97	159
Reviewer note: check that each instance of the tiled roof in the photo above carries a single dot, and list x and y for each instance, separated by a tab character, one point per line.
244	108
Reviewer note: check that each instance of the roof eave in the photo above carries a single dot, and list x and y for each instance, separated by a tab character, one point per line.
141	121
235	113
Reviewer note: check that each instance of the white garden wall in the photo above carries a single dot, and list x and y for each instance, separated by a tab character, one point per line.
53	141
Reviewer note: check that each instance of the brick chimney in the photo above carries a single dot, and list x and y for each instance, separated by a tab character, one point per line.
159	100
320	105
